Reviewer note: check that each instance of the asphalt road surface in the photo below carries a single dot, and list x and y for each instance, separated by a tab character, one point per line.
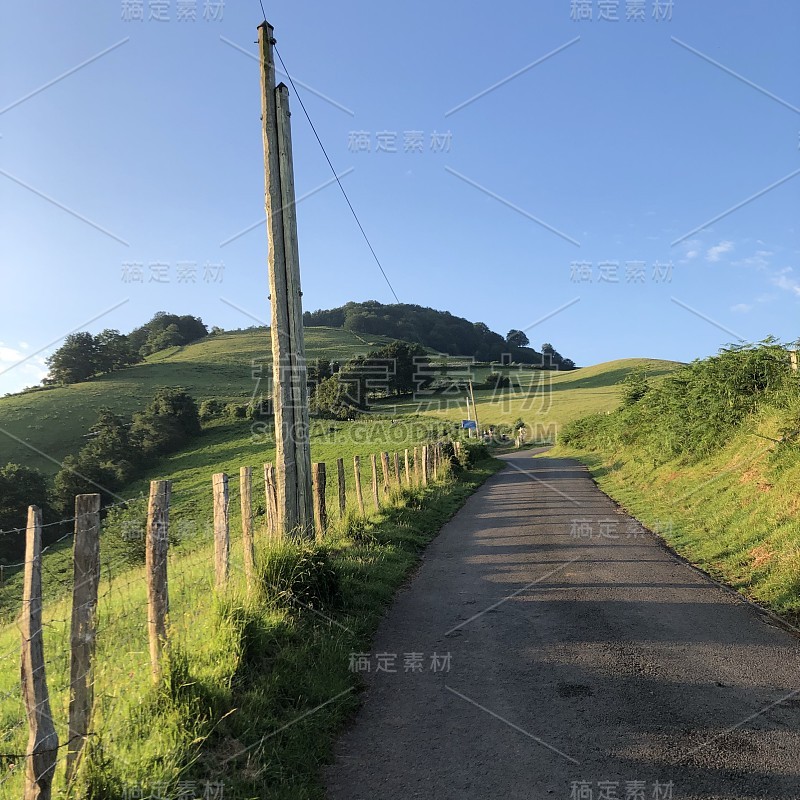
550	647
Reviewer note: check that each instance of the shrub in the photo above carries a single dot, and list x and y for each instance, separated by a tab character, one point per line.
236	410
211	408
696	409
471	454
635	386
495	380
292	574
169	420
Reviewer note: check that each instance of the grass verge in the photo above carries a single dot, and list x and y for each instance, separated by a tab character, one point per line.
734	513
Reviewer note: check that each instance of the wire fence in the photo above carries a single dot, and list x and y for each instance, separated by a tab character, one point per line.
135	683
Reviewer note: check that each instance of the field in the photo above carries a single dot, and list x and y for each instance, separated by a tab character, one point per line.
243	668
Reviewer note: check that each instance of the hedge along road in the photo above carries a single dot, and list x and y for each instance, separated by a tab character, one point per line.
561	651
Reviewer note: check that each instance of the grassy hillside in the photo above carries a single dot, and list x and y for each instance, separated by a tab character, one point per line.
53	422
545	401
710	462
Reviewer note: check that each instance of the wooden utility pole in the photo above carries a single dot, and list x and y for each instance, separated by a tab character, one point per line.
290	392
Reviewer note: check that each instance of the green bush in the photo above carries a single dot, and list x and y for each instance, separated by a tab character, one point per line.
211	408
496	380
236	410
292	574
471	454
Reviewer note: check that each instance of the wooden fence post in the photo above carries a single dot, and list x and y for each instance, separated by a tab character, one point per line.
83	628
417	467
222	537
246	502
385	471
375	497
424	465
43	739
357	478
318	482
342	487
156	568
435	461
397	470
271	500
407	469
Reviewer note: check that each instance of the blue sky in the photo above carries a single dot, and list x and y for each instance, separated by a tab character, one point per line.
565	187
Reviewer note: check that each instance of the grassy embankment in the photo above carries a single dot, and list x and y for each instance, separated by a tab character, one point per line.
711	461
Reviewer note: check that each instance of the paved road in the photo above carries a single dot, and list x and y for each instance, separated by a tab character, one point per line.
575	658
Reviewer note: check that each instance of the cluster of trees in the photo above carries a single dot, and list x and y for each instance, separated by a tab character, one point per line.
119	449
340	391
82	356
439	330
20	487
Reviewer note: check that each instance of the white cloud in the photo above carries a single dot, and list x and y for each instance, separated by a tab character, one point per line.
691	250
17	376
759	260
9	356
741	308
718	250
784	280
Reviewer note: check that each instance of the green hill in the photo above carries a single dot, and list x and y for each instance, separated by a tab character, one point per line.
40	428
438	330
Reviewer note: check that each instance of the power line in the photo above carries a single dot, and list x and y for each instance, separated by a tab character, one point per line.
335	174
